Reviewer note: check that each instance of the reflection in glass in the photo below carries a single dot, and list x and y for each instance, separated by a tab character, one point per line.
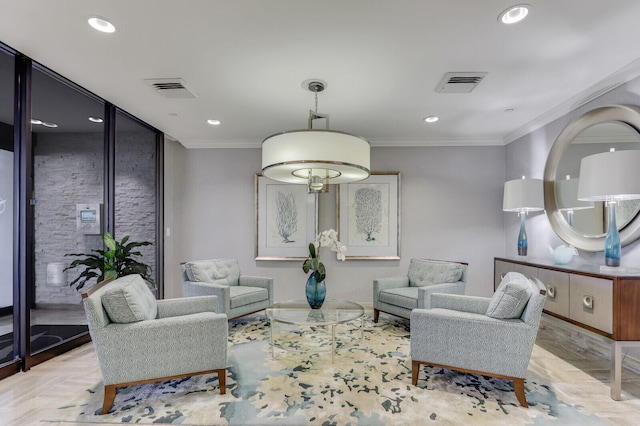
592	222
6	209
567	198
67	172
135	191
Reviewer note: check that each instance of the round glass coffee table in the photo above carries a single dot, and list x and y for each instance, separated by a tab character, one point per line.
299	313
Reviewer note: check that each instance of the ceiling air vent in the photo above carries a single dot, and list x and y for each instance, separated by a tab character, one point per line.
460	82
171	88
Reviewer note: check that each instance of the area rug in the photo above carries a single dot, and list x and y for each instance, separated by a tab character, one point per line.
42	337
368	384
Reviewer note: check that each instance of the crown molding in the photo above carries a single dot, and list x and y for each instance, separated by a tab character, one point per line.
617	79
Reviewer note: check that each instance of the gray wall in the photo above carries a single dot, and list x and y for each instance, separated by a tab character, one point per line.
528	155
451	199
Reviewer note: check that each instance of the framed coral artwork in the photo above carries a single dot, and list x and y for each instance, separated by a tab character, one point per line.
368	217
285	220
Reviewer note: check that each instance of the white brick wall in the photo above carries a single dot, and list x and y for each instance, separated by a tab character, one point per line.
68	170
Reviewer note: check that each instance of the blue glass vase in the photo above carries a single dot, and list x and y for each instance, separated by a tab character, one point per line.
315	291
522	236
612	246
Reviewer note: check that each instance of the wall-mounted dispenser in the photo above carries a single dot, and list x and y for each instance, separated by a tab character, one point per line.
89	219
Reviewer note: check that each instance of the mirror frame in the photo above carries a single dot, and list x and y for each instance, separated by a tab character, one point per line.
626	114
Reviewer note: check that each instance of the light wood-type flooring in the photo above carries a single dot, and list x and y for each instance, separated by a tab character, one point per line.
573	368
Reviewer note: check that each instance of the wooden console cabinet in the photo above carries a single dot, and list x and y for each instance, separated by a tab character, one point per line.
605	303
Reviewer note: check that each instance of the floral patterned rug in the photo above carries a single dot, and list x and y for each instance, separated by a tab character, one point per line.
368	384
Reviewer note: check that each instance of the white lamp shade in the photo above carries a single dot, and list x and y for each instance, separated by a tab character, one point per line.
567	196
610	176
523	195
340	157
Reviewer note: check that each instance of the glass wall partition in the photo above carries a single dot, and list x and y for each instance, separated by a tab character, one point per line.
136	188
72	166
68	180
7	337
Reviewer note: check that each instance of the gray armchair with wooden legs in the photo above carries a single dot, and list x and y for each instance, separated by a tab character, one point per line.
401	294
238	294
488	336
139	339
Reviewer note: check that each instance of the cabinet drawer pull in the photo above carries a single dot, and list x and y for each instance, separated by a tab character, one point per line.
587	301
551	292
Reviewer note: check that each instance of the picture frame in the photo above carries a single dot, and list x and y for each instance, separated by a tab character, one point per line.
368	217
285	218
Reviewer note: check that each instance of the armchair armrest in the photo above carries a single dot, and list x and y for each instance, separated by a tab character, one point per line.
380	284
387	283
197	288
250	281
457	302
184	306
425	292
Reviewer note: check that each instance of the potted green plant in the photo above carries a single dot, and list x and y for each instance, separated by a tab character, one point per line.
117	261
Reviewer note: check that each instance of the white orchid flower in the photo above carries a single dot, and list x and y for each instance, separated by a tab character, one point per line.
329	238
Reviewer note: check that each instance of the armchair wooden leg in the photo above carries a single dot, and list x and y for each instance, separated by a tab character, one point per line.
518	387
376	314
109	397
415	370
222	379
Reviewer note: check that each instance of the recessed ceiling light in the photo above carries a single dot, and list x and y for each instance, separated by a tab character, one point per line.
96	119
214	122
36	121
101	24
514	14
52	125
431	119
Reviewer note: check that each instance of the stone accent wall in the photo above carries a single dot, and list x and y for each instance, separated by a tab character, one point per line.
136	192
68	170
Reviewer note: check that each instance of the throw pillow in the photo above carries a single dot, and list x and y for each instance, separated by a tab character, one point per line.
198	271
511	297
128	299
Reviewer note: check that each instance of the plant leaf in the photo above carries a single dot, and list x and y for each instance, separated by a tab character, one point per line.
109	241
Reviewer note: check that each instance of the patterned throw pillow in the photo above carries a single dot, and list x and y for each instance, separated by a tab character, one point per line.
511	297
128	299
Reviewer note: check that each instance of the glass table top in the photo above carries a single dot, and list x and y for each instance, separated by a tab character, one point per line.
299	312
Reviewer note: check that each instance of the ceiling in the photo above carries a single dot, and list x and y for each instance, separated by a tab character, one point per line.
382	60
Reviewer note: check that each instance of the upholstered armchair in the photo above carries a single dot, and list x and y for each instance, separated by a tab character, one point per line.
401	294
488	336
238	294
139	339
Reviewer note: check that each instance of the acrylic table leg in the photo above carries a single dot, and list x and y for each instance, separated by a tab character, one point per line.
616	371
272	353
333	342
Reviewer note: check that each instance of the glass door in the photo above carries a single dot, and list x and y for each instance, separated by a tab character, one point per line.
7	336
67	132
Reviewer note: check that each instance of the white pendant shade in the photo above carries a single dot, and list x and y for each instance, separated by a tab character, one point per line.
294	156
610	176
523	195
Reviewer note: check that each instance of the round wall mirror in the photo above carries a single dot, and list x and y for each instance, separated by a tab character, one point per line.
579	223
